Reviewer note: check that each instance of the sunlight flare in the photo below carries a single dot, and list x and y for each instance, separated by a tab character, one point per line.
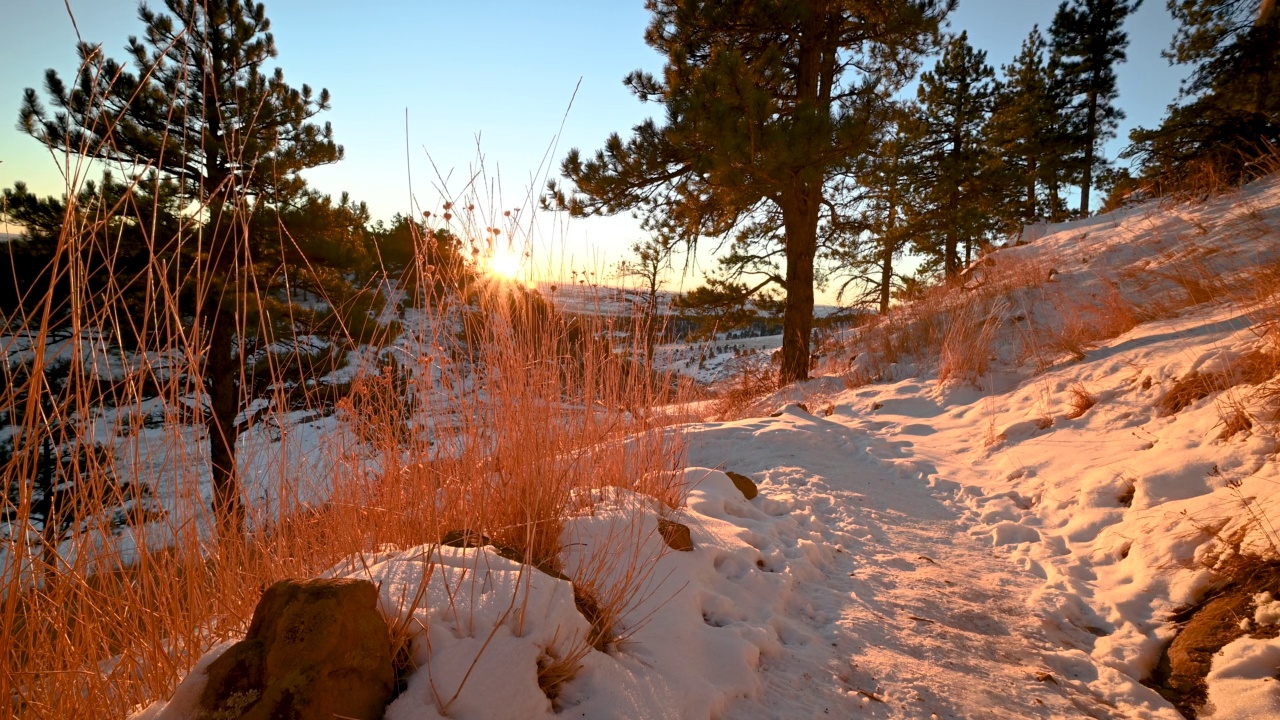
505	263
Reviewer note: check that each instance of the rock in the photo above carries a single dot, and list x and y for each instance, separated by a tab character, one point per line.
316	650
472	539
675	535
464	539
745	485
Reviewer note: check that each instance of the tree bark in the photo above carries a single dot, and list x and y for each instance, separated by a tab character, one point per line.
1055	202
888	242
1091	135
951	244
224	401
800	218
886	278
218	315
886	258
801	198
1266	13
1031	214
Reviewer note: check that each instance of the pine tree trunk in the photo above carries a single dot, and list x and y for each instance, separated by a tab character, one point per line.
219	378
802	196
800	218
886	279
650	325
951	244
1091	134
1031	214
951	239
218	318
1266	26
887	243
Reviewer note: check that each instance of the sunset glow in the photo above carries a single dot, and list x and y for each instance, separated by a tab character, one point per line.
505	263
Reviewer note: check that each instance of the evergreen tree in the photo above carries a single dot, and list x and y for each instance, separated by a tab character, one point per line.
724	305
1064	155
109	225
1023	125
766	101
650	258
881	232
201	107
955	207
1230	104
1088	41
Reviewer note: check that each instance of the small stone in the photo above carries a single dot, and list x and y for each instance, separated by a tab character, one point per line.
745	485
675	535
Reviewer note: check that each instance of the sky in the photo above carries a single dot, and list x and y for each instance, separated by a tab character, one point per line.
484	84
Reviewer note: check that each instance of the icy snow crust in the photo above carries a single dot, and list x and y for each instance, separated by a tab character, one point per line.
918	551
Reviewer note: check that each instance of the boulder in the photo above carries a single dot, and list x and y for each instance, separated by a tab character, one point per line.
316	650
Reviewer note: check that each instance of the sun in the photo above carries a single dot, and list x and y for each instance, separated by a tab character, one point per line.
505	264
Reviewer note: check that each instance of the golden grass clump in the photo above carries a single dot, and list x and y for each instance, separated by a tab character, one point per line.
965	353
1080	400
1251	368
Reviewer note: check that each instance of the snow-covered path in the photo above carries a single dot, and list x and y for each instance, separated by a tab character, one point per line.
896	609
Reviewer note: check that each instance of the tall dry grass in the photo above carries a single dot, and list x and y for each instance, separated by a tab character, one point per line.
490	419
481	410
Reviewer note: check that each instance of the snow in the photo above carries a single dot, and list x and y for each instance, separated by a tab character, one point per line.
1266	609
918	549
1242	684
717	359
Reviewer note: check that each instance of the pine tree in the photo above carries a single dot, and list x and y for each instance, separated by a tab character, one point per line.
880	233
1023	125
1088	41
650	259
201	107
1230	104
955	205
1064	156
112	220
766	101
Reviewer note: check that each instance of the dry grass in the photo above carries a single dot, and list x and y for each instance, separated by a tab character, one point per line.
737	395
556	668
95	627
1084	322
1251	368
500	430
1080	400
1235	420
967	342
908	331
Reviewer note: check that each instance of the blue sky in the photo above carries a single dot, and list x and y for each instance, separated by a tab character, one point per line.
502	71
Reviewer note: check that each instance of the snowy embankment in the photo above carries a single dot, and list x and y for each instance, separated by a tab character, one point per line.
994	547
